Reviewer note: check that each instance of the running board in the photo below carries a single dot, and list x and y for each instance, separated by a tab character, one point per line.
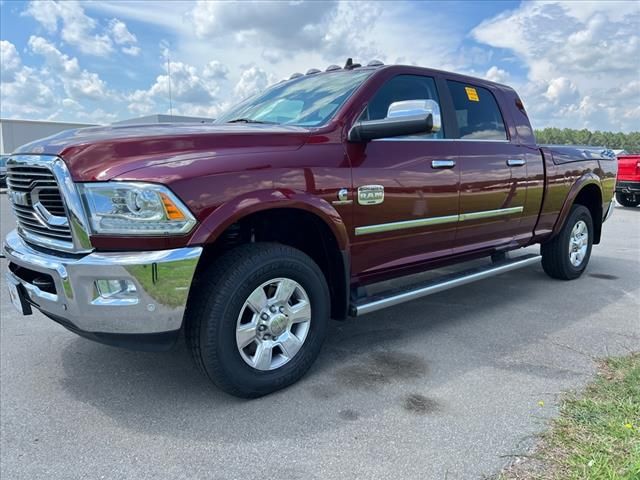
395	297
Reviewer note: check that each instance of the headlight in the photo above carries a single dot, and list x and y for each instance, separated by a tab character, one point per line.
121	208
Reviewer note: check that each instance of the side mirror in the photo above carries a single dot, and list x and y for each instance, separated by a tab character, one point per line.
408	117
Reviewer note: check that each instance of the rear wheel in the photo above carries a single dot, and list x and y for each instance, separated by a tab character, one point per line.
566	255
258	318
627	200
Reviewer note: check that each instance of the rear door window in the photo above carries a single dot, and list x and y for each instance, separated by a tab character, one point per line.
477	112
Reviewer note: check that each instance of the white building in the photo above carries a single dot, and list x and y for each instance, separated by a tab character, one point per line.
162	118
14	133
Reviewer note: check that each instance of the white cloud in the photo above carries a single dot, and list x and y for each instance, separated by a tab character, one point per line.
141	102
26	95
186	85
78	83
496	74
132	50
46	13
120	33
10	61
59	89
252	81
574	52
580	59
21	90
343	32
294	25
280	38
562	91
215	70
76	28
123	37
80	30
190	89
27	90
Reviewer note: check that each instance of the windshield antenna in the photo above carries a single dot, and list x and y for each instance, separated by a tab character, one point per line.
169	75
166	53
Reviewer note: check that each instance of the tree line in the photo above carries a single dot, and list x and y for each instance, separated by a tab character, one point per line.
613	140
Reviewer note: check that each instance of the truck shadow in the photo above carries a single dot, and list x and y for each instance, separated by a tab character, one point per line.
391	359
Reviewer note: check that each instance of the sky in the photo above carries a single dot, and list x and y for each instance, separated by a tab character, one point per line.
575	64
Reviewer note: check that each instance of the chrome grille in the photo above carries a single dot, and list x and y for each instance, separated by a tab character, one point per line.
37	203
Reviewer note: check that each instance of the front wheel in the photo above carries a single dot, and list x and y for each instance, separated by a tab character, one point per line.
627	200
566	255
258	318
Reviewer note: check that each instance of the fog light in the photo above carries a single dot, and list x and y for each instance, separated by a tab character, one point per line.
115	292
109	288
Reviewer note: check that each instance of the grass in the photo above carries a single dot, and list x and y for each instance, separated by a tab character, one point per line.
597	434
171	278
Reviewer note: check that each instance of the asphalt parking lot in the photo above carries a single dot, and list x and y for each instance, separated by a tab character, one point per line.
444	387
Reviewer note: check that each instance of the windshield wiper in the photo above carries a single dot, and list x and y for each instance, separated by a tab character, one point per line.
247	120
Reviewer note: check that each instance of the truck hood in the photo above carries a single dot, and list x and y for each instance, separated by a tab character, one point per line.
102	153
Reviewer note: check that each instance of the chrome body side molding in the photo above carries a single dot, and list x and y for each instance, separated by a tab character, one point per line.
425	222
388	227
490	213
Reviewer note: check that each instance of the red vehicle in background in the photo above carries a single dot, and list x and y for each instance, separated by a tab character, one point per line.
628	184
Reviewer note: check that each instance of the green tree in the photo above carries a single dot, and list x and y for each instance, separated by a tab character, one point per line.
567	136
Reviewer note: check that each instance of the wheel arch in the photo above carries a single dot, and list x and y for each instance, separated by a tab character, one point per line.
586	191
302	221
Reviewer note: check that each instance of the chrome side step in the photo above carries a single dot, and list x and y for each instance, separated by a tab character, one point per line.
389	299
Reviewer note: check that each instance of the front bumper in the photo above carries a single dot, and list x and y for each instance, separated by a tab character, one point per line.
153	302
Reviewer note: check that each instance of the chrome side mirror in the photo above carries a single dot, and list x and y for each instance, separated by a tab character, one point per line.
409	117
415	108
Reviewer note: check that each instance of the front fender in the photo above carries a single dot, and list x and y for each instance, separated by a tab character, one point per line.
239	207
588	178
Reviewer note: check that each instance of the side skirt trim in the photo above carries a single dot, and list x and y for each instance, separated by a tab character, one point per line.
391	298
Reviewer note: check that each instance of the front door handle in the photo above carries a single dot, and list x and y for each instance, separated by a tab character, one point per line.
515	162
443	163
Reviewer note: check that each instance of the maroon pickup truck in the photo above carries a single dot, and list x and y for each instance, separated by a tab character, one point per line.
249	233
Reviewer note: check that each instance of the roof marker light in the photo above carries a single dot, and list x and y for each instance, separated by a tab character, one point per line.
295	75
312	71
333	68
375	63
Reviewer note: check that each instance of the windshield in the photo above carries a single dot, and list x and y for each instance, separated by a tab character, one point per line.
307	101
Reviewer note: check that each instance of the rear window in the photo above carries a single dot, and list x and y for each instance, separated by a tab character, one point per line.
477	112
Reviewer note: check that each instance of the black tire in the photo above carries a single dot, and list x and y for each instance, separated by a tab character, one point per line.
555	253
212	315
627	200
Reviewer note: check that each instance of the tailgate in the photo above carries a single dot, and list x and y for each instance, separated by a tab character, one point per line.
629	168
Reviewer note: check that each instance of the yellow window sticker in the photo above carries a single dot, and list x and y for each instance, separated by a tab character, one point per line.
472	94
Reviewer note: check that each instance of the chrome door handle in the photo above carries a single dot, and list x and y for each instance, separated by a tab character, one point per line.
443	163
515	162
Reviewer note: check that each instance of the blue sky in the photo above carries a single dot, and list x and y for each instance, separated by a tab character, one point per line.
576	64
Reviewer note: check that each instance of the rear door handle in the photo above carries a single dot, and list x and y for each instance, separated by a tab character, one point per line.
515	162
443	163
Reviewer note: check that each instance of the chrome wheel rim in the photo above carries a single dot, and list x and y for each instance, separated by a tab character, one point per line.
578	243
273	324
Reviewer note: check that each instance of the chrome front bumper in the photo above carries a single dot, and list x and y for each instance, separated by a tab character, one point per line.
154	300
